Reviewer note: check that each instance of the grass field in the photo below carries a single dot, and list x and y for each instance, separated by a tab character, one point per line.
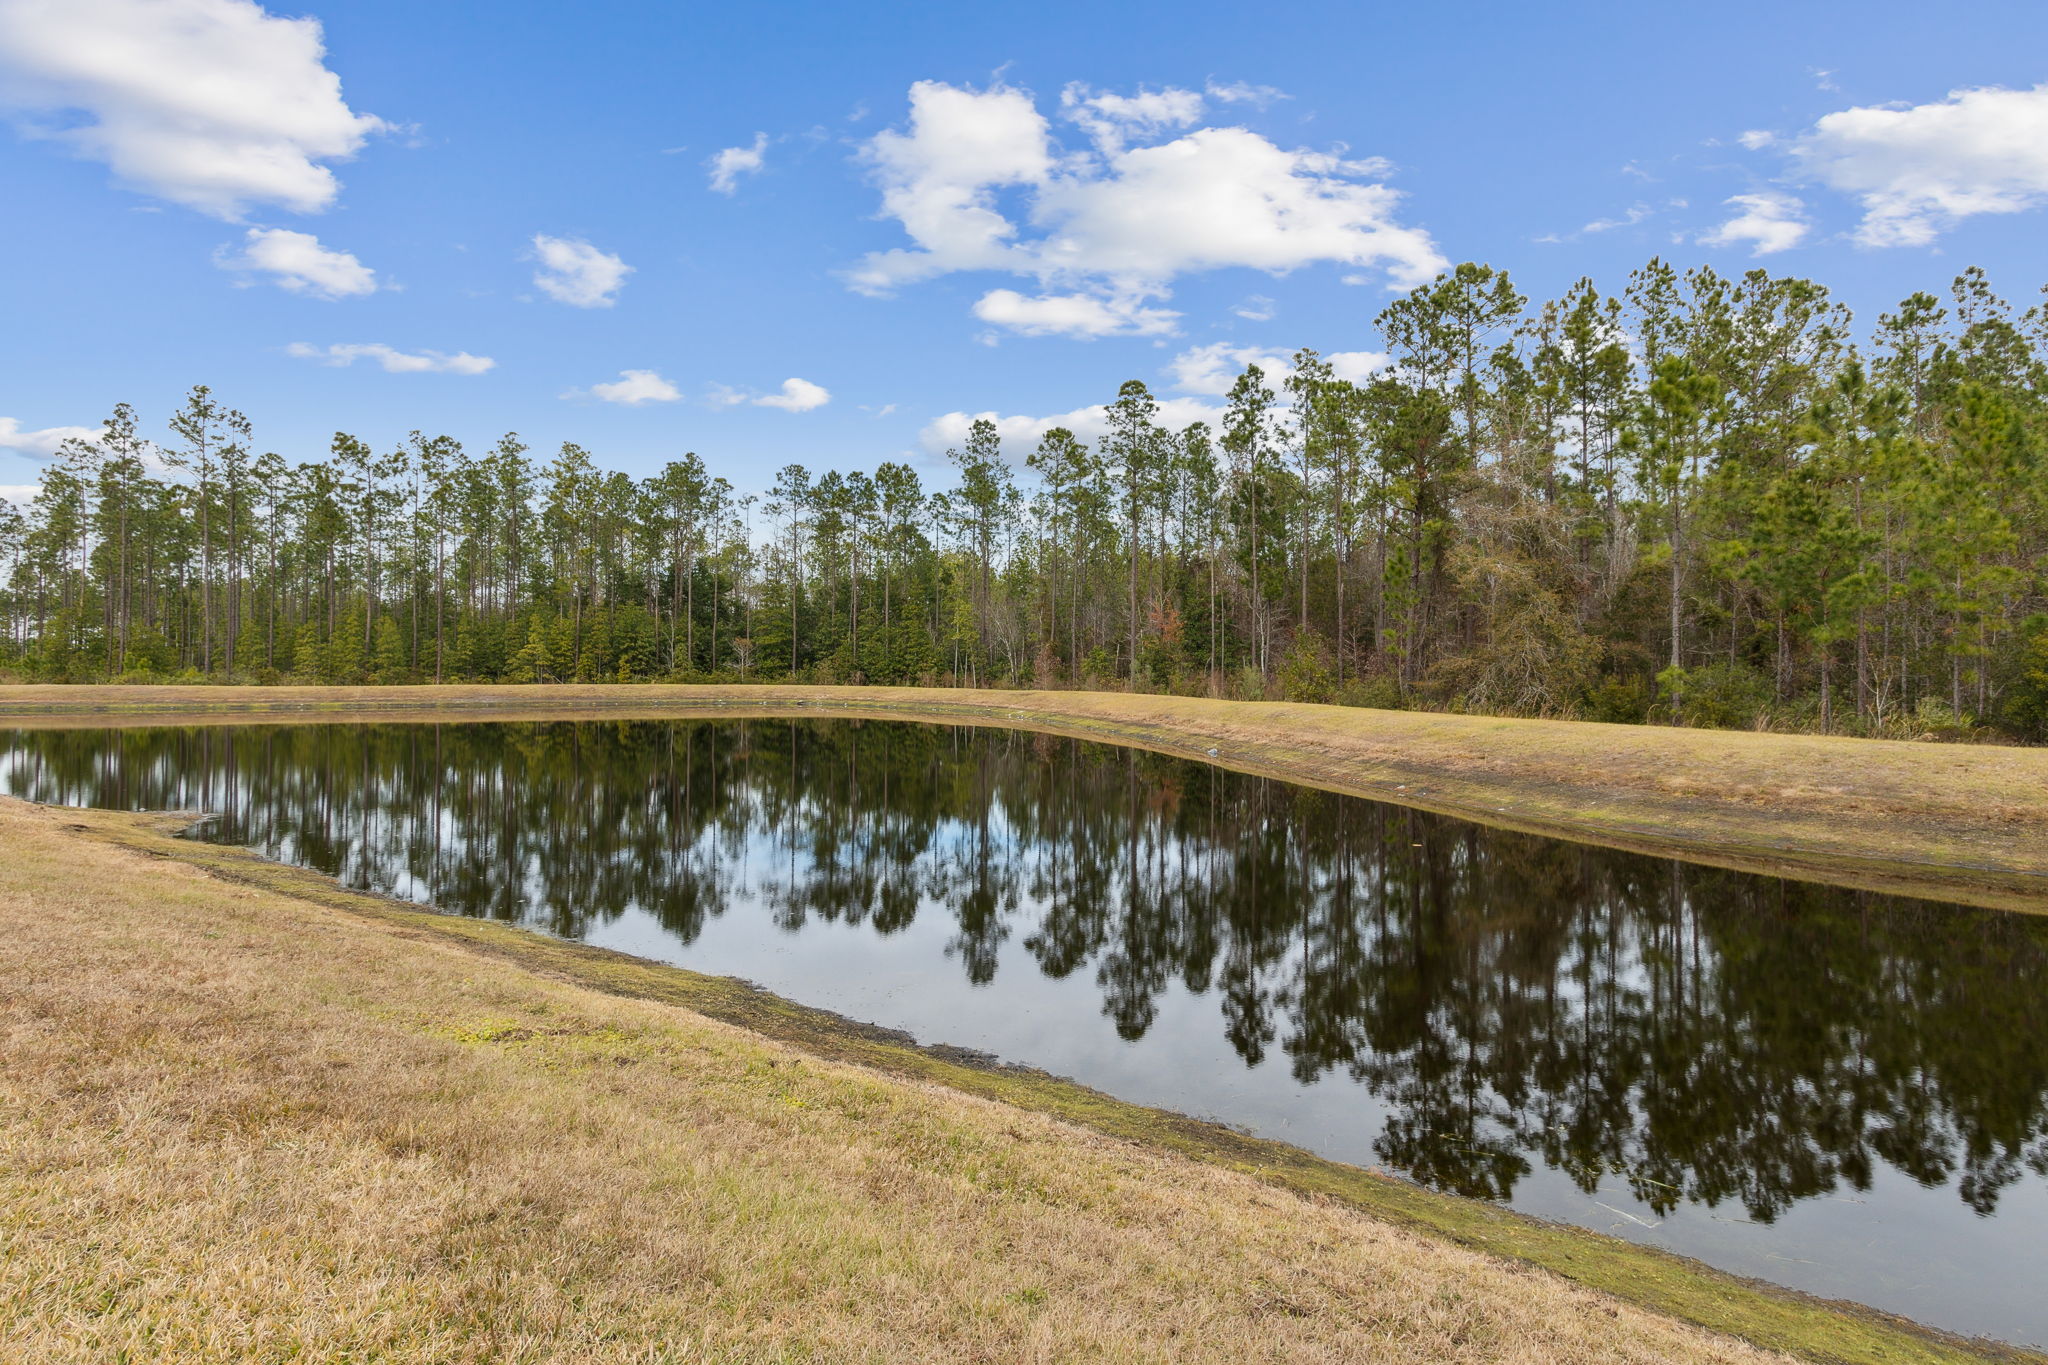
245	1115
1958	822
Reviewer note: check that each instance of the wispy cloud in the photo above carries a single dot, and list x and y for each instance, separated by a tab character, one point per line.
795	395
574	272
391	360
297	262
631	389
729	165
42	442
1768	222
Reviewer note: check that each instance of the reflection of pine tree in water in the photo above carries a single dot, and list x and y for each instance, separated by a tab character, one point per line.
1707	1035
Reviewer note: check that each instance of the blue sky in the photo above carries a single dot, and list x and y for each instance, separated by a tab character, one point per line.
928	210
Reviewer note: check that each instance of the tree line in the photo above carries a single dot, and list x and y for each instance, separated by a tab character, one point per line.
1704	499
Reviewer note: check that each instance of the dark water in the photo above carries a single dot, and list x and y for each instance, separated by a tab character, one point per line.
1835	1090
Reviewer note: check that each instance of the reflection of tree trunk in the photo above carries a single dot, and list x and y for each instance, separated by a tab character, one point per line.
1827	661
1677	597
1258	592
1209	605
1571	1000
1302	626
1955	653
1412	645
1341	546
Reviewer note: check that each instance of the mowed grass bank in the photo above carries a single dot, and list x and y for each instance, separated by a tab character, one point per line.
1958	822
245	1115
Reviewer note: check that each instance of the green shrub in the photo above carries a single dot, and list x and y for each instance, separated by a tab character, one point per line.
1306	673
1934	718
1618	701
1718	696
2026	695
1376	690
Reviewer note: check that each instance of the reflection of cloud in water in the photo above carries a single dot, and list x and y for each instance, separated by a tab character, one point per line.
1690	1035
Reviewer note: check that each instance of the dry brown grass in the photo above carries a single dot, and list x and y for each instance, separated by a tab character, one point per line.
239	1125
1964	822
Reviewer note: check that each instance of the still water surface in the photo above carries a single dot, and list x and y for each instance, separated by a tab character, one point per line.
1830	1089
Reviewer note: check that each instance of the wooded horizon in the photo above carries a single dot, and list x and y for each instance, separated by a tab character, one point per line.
1701	499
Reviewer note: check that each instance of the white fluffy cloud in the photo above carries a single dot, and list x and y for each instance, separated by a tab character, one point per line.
577	273
296	261
1111	119
730	164
22	493
939	181
1919	170
796	395
1020	433
1119	223
1212	369
1073	315
1767	221
1206	372
393	361
44	441
632	388
214	104
1223	197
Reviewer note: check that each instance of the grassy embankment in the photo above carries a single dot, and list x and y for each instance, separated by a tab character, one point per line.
1955	822
246	1115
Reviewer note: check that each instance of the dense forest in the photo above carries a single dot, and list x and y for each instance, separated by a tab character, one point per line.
1702	500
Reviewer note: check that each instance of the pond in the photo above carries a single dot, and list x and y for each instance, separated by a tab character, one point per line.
1831	1089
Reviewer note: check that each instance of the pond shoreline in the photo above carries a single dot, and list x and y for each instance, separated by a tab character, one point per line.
116	845
1962	823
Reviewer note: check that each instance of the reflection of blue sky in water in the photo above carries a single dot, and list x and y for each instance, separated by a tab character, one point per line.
1491	1012
1899	1243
